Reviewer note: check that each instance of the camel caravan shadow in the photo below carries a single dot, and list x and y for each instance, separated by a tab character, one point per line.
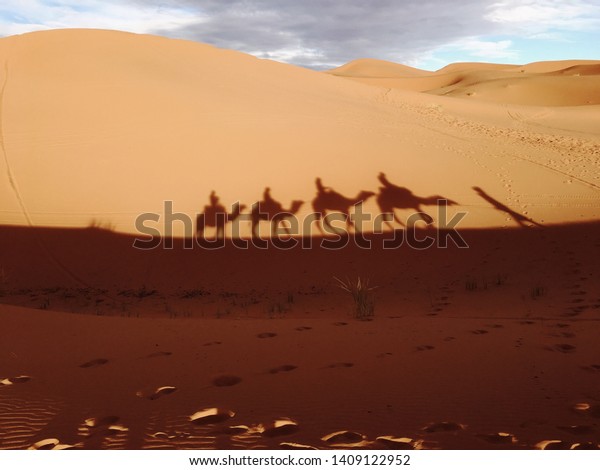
329	206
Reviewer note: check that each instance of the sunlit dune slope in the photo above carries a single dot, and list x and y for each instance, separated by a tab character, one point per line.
100	126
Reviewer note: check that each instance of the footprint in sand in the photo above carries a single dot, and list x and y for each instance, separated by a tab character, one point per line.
94	363
107	425
226	380
553	445
20	379
158	354
304	328
101	422
444	426
211	416
283	368
50	444
266	335
563	348
397	443
340	365
281	427
159	392
384	354
498	438
343	438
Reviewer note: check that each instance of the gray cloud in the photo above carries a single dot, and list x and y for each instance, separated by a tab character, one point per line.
325	33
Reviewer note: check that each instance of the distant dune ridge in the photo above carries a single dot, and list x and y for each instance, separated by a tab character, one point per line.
556	83
99	126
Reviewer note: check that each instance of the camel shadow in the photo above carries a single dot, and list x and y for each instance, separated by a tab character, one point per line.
328	200
269	209
520	219
392	197
216	216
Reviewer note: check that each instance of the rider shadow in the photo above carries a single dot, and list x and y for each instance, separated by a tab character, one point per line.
520	219
269	209
331	206
216	216
392	197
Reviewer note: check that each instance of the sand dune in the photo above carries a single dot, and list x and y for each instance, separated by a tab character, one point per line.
536	84
105	346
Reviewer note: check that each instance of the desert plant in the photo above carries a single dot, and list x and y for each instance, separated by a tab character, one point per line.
537	291
362	296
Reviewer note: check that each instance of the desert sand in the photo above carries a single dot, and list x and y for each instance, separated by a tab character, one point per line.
105	346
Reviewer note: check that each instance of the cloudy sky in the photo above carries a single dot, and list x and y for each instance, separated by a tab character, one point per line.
325	33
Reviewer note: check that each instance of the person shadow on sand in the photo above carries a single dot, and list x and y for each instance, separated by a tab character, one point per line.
520	219
215	215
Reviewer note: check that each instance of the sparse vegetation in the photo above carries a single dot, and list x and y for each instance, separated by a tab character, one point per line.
362	296
193	293
140	293
276	308
537	291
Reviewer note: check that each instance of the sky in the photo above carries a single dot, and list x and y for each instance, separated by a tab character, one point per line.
322	34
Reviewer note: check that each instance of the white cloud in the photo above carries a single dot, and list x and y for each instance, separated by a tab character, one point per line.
19	16
543	15
485	49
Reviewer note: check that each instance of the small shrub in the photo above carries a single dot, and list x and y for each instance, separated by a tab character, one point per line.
362	296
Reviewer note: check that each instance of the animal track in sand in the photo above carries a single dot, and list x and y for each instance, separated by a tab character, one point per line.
226	380
592	368
425	347
304	328
283	368
94	363
212	343
340	323
266	335
480	332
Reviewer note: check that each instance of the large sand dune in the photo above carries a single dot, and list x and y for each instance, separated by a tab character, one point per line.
106	346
